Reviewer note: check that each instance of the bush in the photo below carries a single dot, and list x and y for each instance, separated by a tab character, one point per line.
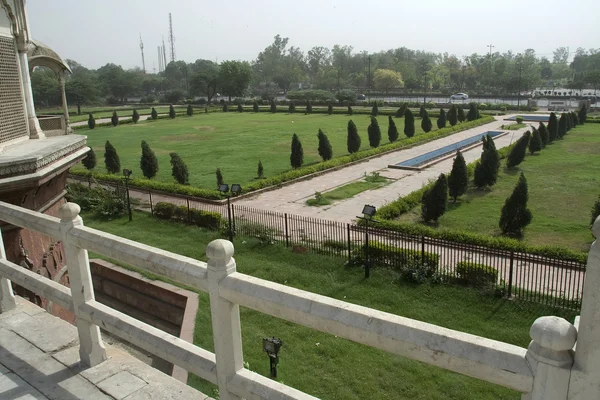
255	106
297	156
381	254
104	203
460	114
240	108
453	115
201	218
273	107
292	108
477	275
426	124
89	162
392	130
91	122
562	126
473	112
375	111
308	107
434	202
517	155
179	170
519	119
260	172
515	215
172	113
353	140
219	176
114	120
486	169
153	114
535	144
225	107
441	121
552	128
190	110
135	117
111	159
329	109
324	149
374	133
582	114
346	95
409	123
350	111
400	111
544	134
595	211
458	180
148	162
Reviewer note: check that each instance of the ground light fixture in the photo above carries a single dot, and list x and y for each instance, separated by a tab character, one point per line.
368	213
235	190
271	346
126	175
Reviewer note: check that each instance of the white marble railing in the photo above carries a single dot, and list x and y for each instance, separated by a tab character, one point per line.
543	371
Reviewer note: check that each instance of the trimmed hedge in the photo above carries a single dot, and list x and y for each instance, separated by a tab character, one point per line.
395	257
142	183
404	204
339	161
205	219
492	242
478	275
125	121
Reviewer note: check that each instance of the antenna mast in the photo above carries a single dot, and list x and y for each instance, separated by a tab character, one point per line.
164	53
171	38
142	49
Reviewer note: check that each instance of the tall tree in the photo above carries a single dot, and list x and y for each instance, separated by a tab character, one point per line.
535	143
392	130
386	80
89	162
114	119
517	153
409	123
486	169
562	125
353	140
325	150
433	204
458	181
374	133
375	110
111	159
205	80
460	114
234	77
453	115
515	215
148	162
544	134
441	121
426	124
91	122
297	156
552	128
179	170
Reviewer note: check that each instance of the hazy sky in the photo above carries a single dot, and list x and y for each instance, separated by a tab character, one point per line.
95	32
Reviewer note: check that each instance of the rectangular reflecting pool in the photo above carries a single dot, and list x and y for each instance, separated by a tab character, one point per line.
416	162
534	118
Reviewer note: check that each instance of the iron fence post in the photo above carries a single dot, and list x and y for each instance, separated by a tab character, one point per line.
188	208
287	240
151	207
510	273
422	249
229	220
349	244
367	266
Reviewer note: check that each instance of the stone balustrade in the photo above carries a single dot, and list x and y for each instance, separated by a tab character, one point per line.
548	369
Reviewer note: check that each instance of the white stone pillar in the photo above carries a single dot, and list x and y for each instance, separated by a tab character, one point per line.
61	81
35	131
585	378
91	348
550	356
7	297
227	334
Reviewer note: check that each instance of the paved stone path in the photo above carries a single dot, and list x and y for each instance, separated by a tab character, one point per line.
292	198
39	359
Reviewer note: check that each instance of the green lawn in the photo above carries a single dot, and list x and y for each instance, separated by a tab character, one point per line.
330	367
234	142
564	182
349	190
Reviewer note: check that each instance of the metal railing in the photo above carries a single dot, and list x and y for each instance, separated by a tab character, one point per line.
524	370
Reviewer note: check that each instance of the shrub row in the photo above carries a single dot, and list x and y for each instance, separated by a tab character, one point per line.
125	121
478	275
339	161
493	242
175	188
404	204
205	219
396	257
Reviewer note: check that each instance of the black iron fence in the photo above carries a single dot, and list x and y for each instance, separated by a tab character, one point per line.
530	277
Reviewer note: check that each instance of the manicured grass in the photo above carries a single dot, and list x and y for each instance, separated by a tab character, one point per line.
234	142
347	191
514	127
330	367
564	182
